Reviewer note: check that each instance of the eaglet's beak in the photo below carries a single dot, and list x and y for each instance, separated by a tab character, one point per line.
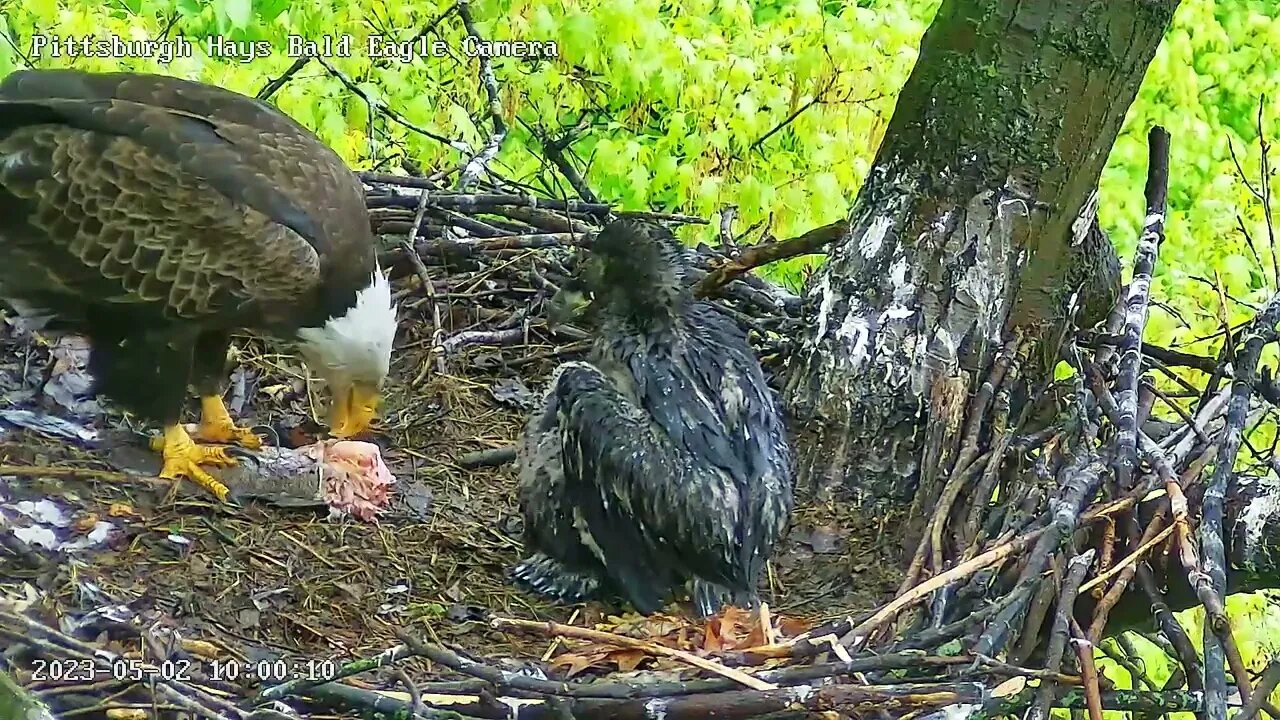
354	407
565	306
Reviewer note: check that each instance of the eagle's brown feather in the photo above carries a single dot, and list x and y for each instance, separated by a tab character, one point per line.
185	197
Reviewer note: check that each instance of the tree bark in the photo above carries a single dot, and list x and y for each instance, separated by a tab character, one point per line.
963	233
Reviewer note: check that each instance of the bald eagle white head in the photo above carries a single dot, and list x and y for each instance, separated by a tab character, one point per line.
352	354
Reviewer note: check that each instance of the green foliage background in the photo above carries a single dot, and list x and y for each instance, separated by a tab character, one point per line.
678	105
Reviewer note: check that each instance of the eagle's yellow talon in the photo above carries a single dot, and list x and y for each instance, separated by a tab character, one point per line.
183	458
228	434
216	425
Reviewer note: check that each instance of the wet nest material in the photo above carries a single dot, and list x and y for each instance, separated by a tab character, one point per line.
277	579
158	591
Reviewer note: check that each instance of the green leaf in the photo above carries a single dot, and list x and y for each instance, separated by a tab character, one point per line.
189	8
8	58
239	12
269	10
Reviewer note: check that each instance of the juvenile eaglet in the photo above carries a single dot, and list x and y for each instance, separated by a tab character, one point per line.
661	463
156	216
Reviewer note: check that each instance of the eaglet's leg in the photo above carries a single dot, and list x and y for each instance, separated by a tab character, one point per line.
209	368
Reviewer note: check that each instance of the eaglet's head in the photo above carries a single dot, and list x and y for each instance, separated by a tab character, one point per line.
351	352
637	253
635	269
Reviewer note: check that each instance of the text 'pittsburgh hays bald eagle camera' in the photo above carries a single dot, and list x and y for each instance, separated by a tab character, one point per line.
662	460
156	216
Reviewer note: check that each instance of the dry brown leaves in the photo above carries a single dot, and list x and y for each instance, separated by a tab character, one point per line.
732	629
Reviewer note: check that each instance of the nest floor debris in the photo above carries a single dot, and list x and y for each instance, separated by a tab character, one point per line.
421	598
261	582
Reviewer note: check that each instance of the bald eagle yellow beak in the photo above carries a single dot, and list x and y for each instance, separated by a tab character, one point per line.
354	408
567	305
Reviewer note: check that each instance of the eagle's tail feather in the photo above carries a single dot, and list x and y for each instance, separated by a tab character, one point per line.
710	598
549	577
707	598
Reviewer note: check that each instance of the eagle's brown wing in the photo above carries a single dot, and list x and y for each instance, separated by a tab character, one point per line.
154	190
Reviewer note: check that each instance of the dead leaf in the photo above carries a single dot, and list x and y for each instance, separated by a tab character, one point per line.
117	510
127	714
727	630
85	523
576	662
755	638
201	648
454	592
791	626
712	641
1012	686
275	392
658	626
628	660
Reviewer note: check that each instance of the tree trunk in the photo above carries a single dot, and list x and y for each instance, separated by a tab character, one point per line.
964	233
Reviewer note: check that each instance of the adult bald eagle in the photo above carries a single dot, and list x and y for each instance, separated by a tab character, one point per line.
661	461
156	216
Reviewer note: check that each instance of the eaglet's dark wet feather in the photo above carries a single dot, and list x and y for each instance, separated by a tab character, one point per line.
170	201
661	460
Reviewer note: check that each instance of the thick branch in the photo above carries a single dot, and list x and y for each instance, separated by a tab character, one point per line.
756	255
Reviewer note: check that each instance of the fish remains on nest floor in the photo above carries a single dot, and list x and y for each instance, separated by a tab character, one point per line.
663	460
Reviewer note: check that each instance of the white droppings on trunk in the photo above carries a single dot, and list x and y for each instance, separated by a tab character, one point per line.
1255	518
827	302
1153	218
1000	209
872	241
656	709
902	306
898	272
904	291
855	333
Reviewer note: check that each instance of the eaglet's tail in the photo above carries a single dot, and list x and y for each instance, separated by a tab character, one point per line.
547	576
